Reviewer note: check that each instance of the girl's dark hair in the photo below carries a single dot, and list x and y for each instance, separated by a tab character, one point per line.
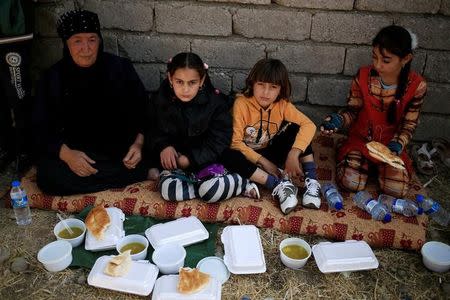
269	70
191	61
396	40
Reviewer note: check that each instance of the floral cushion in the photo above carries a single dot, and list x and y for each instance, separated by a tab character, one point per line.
351	222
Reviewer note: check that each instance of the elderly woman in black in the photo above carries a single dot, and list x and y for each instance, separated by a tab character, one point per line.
88	115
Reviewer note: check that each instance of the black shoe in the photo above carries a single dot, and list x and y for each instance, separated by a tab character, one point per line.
5	159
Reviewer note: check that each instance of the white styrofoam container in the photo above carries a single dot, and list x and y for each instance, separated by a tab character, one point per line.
243	249
112	234
183	231
345	256
166	289
139	280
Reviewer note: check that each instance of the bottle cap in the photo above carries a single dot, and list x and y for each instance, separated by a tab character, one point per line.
420	211
338	206
15	183
387	218
419	198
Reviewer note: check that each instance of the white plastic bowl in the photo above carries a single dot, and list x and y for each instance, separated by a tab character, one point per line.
169	258
56	256
75	242
134	238
436	256
291	262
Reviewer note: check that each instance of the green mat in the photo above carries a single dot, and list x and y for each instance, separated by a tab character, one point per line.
138	225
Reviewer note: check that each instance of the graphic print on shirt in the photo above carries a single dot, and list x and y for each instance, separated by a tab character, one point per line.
258	135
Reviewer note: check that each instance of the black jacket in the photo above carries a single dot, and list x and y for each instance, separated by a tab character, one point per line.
200	129
99	109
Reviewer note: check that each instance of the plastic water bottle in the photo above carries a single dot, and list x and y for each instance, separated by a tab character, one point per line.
331	194
20	204
404	207
432	208
377	210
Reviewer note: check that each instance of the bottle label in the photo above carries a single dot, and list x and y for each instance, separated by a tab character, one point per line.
19	202
398	205
370	204
434	208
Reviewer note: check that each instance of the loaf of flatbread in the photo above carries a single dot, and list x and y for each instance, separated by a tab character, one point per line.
119	265
191	280
383	153
97	221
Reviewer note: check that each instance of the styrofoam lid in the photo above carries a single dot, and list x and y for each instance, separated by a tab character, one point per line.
215	267
139	280
243	249
183	231
344	256
166	289
113	233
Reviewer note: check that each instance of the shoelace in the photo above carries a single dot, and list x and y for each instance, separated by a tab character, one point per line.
312	187
279	189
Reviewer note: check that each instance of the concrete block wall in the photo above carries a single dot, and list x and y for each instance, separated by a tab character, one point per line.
321	42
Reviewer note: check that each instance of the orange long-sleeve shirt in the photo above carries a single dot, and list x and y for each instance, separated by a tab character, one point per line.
254	126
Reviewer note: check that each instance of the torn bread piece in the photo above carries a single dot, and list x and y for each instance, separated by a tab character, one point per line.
192	280
97	221
119	265
383	153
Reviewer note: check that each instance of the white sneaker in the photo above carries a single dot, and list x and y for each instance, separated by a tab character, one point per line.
311	198
251	190
286	193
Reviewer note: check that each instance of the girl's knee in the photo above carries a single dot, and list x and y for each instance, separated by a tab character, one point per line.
393	181
351	179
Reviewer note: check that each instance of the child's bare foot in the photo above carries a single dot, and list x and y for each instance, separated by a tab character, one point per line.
153	174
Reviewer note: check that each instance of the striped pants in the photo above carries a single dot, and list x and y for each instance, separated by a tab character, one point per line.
353	170
176	186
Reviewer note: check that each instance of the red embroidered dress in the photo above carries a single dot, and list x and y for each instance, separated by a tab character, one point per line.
366	113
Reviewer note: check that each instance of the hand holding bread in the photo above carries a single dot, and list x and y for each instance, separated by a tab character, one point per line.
382	153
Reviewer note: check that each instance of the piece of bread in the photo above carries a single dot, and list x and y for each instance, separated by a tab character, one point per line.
119	265
97	221
384	154
191	280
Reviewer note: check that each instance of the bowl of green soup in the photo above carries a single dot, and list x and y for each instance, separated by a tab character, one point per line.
294	252
76	237
138	244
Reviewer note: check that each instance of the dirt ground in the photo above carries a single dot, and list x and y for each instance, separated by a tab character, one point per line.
401	274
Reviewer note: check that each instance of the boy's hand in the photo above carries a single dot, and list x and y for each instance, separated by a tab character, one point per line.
292	166
169	158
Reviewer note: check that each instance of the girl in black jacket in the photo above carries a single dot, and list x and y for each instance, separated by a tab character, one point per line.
190	128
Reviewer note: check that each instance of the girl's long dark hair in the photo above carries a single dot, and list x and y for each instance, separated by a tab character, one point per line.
269	70
191	61
396	40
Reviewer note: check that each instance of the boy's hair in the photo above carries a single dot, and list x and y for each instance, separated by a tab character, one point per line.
397	40
188	60
272	71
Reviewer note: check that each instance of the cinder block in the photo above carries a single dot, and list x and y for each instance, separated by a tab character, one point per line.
228	53
311	59
128	15
239	80
48	51
405	6
431	126
299	86
357	57
437	67
328	91
445	7
261	2
188	18
221	80
314	112
432	31
272	23
150	75
351	28
141	48
320	4
437	99
46	17
110	42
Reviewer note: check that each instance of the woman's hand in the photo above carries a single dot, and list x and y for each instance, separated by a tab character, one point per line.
133	157
269	167
183	161
169	158
78	161
292	166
